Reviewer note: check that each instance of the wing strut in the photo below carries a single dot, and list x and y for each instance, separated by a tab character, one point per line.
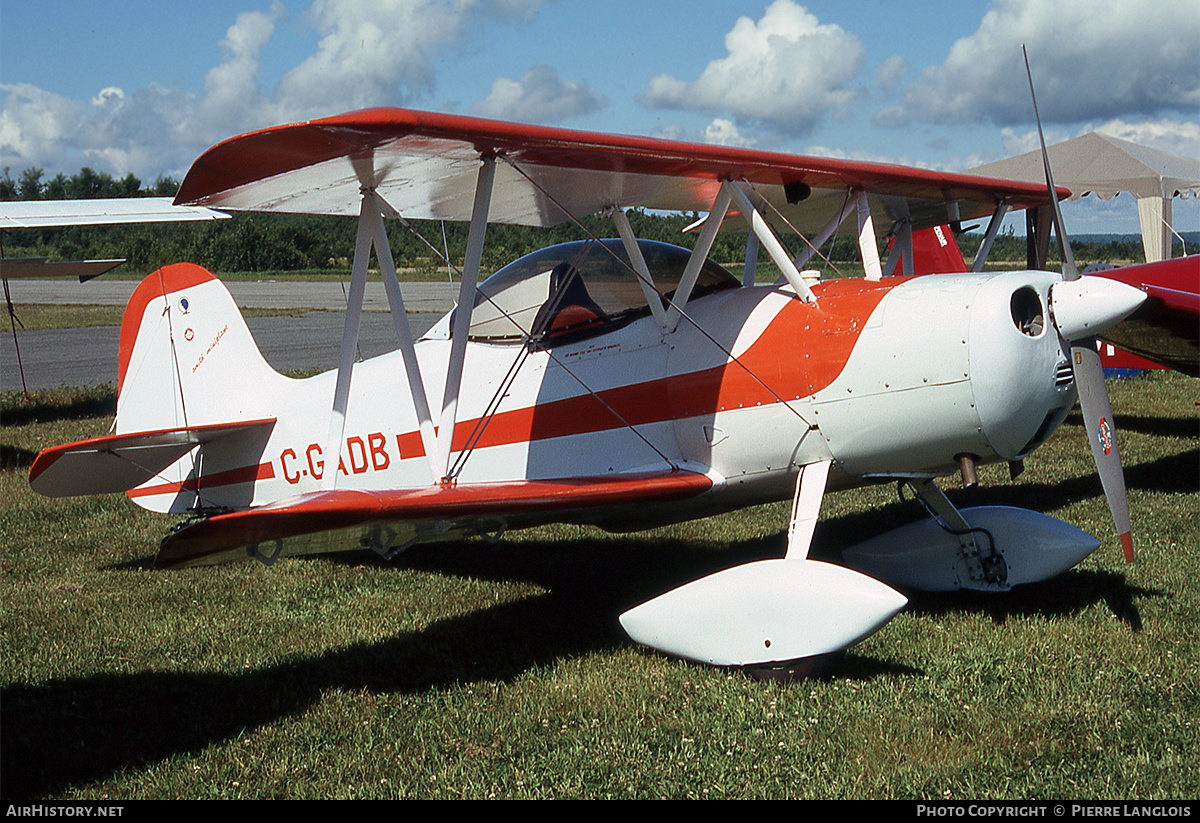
341	392
750	268
989	237
708	233
371	234
462	317
866	237
731	193
826	232
629	241
391	284
762	230
902	250
856	201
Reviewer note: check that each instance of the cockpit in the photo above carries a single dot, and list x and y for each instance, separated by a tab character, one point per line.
578	289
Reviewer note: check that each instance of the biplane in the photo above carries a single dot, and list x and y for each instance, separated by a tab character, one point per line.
616	381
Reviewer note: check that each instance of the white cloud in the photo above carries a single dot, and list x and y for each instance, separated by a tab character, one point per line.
232	99
33	121
724	133
891	72
721	131
380	52
1171	136
107	95
1017	142
371	53
1177	137
786	70
147	132
540	96
1090	59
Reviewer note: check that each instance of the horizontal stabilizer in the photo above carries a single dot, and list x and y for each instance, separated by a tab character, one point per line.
388	520
766	612
120	462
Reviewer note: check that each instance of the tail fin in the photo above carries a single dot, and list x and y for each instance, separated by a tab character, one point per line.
194	403
187	358
189	364
935	251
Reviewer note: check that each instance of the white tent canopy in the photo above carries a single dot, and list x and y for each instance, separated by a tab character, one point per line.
1105	166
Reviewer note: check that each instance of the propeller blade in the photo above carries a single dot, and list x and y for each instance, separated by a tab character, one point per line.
1086	368
1102	436
1070	272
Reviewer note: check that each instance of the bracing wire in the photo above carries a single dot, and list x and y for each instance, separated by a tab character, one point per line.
494	403
682	312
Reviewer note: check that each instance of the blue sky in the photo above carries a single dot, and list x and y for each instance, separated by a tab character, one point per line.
144	87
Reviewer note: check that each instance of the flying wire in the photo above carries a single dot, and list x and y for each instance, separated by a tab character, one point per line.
670	301
494	404
12	316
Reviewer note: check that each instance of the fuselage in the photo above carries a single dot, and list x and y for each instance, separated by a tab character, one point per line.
895	378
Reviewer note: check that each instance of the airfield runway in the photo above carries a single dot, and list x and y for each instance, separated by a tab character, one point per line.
308	340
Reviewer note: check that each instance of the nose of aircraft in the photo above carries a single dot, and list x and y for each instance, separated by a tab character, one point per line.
1082	307
1088	305
1022	329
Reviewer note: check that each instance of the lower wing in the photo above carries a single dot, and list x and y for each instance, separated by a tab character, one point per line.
389	520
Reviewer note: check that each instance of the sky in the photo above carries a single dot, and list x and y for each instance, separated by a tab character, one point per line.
145	86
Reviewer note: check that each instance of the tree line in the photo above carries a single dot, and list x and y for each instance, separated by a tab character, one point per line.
288	243
87	184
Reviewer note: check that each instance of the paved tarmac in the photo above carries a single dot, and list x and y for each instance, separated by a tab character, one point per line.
421	297
82	357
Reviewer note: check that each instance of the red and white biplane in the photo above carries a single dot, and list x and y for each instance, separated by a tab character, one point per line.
613	381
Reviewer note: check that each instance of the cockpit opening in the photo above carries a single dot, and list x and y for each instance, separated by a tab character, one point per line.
580	288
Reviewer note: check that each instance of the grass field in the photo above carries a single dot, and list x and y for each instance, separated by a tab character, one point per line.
471	670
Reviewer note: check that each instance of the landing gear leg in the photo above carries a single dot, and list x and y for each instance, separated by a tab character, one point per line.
983	563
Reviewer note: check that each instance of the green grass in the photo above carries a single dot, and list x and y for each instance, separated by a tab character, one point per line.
471	670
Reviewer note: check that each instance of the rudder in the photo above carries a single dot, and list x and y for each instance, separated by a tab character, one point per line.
187	357
188	366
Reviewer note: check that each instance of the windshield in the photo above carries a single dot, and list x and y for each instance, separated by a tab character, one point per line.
580	287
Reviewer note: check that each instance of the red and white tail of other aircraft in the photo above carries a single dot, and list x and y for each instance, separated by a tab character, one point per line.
617	381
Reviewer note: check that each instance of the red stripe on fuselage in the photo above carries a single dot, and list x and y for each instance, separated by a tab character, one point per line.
802	350
246	474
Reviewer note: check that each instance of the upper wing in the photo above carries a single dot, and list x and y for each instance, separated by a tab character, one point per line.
342	519
44	214
40	214
424	165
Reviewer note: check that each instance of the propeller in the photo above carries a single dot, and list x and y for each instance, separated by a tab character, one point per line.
1081	308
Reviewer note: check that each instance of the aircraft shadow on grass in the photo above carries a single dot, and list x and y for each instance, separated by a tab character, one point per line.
78	730
104	405
83	729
